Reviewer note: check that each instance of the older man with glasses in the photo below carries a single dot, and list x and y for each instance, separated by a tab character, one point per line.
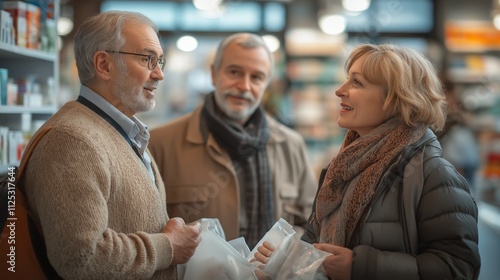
93	188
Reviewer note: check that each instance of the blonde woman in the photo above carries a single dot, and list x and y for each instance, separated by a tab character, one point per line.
389	206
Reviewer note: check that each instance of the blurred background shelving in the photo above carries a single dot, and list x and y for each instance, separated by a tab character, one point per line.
29	73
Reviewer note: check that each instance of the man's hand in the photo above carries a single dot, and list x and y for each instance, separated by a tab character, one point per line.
339	265
184	239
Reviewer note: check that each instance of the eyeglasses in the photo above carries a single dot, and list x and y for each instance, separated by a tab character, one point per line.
153	60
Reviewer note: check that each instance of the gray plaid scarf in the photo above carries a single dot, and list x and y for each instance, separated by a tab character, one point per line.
247	148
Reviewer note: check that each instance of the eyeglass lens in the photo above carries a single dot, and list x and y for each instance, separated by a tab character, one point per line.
154	61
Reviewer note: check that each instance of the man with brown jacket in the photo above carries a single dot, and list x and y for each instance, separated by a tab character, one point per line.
230	160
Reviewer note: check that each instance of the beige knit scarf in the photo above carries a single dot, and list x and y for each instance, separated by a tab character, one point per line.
353	176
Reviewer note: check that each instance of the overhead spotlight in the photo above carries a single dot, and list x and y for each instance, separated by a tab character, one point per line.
332	24
272	42
206	5
356	5
64	26
187	43
496	19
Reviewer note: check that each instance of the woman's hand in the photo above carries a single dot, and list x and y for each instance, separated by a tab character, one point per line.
262	255
338	266
264	251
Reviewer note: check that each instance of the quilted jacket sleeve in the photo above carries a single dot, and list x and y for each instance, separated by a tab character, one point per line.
446	220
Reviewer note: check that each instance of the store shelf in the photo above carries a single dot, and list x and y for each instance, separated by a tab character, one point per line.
15	52
31	110
34	76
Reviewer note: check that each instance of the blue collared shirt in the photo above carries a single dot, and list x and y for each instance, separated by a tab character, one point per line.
135	129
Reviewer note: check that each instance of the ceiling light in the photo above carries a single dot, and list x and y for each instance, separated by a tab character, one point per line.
272	42
496	21
332	24
187	43
207	4
64	26
356	5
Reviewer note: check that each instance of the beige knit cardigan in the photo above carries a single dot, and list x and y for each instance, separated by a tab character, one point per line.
99	209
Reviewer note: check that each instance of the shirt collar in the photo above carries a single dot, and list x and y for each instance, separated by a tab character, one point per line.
132	126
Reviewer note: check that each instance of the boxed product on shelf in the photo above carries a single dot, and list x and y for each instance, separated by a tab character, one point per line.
33	96
492	160
48	35
6	28
17	10
47	28
33	26
16	146
48	92
22	90
47	8
25	92
11	92
4	75
4	135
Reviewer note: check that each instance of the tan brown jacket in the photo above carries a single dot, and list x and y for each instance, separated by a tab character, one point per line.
201	181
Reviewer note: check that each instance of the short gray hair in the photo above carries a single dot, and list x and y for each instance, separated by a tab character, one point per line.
247	41
102	32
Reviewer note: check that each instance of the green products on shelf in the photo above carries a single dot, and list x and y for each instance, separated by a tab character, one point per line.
4	74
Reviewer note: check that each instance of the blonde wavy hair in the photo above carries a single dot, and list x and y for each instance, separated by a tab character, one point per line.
413	89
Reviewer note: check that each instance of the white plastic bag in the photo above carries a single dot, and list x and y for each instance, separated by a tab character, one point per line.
212	224
292	258
240	245
303	262
275	235
216	259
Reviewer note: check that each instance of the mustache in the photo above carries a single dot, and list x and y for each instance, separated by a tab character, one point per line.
151	84
246	95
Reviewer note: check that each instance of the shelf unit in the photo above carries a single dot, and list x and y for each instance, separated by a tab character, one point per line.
473	74
314	62
31	65
313	81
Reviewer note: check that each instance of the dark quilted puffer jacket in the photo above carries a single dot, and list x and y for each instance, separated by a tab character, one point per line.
422	223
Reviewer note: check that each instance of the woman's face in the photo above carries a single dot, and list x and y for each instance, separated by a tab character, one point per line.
361	102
